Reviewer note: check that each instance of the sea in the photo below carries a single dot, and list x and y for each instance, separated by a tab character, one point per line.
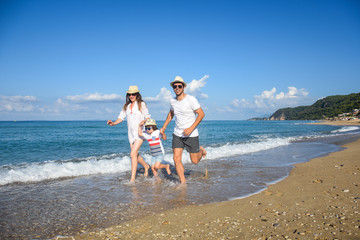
61	178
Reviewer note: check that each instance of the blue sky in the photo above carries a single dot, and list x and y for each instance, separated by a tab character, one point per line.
74	60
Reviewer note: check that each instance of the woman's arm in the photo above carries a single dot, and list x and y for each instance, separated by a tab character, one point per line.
145	111
111	123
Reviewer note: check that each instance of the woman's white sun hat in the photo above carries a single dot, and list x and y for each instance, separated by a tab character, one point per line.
133	89
178	79
150	122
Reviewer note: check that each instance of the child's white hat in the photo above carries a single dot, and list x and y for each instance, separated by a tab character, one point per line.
150	122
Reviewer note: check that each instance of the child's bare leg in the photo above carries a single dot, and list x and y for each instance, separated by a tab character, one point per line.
154	171
144	164
168	169
159	165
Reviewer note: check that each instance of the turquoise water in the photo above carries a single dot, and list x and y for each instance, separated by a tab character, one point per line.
34	146
57	178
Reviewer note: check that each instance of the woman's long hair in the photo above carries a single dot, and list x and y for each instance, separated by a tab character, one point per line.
138	99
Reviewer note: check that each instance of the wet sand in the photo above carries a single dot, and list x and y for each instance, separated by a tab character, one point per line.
319	200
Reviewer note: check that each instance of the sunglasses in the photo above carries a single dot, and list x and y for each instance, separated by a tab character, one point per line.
132	94
177	86
148	128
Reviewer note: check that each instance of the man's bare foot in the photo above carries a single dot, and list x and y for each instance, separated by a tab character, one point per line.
132	180
168	169
146	173
203	152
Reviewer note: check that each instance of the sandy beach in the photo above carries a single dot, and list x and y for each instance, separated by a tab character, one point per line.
319	200
340	123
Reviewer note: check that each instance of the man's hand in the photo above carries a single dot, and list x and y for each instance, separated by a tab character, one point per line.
111	123
162	130
187	131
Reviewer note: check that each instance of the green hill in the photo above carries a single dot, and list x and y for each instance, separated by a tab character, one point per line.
324	108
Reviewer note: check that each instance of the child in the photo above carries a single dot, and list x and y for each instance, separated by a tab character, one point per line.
152	135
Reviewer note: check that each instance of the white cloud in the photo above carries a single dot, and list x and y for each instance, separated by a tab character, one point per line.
270	100
17	103
164	95
91	105
94	97
195	86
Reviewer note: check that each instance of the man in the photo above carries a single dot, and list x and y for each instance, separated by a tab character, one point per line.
188	115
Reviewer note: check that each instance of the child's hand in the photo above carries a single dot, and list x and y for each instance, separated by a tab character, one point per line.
142	123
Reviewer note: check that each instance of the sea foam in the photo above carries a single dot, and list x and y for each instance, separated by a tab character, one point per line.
345	129
35	172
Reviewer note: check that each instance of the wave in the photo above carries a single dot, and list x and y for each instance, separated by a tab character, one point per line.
117	163
345	129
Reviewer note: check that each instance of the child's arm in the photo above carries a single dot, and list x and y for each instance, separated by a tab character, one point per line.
163	136
140	130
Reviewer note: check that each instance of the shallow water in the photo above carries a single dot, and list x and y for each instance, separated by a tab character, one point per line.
66	205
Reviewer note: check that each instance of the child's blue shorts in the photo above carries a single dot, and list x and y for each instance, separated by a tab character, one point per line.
158	158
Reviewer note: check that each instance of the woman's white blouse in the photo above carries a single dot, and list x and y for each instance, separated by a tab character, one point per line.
134	117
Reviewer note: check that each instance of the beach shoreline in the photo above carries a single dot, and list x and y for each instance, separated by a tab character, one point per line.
318	200
339	122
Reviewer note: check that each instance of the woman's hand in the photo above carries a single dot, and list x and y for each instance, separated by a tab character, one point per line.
111	123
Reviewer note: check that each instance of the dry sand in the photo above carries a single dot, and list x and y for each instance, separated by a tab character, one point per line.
319	200
340	123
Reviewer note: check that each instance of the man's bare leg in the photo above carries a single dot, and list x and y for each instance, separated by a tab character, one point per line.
178	164
196	157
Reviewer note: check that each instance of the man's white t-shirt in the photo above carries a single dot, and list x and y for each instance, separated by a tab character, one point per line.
185	116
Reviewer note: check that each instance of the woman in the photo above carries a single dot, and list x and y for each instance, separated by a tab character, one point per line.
135	110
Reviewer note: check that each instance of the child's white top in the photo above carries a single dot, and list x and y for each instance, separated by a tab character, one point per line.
154	141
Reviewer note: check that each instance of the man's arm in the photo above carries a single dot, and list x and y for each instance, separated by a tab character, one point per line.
163	135
167	121
200	115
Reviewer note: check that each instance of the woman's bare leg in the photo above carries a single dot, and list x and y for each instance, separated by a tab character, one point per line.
135	147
